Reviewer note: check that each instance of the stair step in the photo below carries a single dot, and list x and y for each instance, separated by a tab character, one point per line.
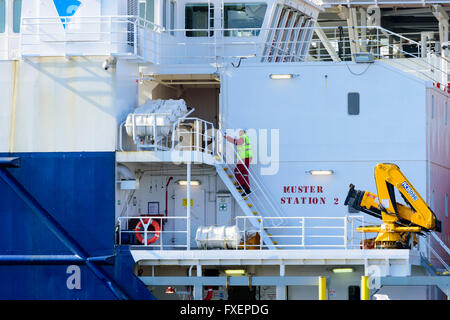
249	205
230	176
245	198
275	242
225	168
255	213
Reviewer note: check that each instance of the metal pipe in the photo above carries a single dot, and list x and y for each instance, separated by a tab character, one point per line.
167	184
20	259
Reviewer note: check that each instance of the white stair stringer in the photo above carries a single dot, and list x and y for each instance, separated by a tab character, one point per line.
243	204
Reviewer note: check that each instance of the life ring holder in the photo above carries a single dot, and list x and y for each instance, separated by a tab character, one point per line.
143	225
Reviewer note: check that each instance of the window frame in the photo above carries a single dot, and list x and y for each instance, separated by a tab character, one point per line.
255	33
172	16
17	8
209	32
3	10
349	99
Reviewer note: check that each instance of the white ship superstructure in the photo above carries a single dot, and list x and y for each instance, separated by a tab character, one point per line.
157	85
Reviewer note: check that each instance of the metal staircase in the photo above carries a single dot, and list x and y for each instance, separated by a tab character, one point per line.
255	205
426	262
245	203
259	209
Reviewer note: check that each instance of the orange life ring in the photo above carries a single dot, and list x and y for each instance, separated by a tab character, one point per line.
139	228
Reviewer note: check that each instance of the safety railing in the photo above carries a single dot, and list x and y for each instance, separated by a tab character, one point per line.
303	232
335	44
156	232
170	232
326	3
97	35
194	134
134	37
438	251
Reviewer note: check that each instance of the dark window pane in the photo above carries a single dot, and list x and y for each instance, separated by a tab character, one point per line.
2	16
353	103
243	16
196	17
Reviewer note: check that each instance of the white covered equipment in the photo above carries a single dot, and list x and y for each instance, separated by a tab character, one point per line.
218	237
163	112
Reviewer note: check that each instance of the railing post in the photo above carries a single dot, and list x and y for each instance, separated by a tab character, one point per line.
188	206
155	133
303	232
345	232
145	232
261	230
161	235
197	135
120	230
110	34
205	136
135	38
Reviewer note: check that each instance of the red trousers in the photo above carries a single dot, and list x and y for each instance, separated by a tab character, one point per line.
241	173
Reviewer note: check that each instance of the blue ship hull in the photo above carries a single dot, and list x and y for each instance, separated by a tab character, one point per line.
57	231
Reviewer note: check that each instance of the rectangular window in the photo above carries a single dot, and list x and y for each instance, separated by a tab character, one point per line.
432	107
147	9
142	10
197	16
446	205
150	10
445	113
432	201
164	13
172	17
241	16
2	16
17	13
353	103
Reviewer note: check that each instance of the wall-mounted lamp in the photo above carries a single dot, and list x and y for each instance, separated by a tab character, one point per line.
281	76
235	272
184	182
320	172
342	270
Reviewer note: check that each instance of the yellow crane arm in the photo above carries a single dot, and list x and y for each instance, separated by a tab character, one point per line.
384	205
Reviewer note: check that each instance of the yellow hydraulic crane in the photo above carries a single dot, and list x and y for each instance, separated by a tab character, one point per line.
400	222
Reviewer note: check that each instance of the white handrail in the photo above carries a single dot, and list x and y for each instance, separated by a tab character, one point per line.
303	224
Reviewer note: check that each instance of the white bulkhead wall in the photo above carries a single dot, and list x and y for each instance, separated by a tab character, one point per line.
55	104
316	132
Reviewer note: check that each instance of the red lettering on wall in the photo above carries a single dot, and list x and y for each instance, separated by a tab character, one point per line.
305	199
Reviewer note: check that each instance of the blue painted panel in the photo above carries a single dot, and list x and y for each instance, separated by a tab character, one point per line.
59	204
77	189
49	282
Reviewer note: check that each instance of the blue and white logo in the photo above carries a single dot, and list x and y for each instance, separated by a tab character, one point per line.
66	8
